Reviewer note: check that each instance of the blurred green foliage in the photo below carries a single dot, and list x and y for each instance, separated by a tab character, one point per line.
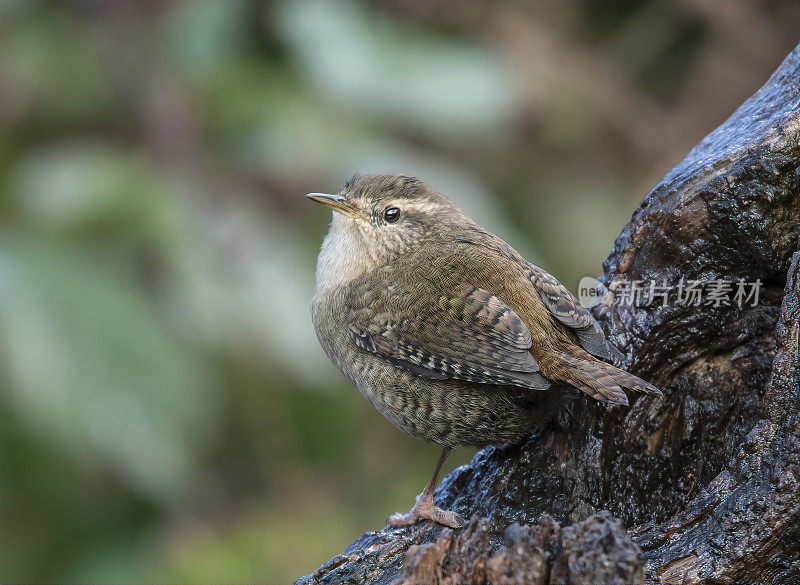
165	411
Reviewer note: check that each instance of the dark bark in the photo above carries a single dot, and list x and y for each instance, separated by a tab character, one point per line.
706	480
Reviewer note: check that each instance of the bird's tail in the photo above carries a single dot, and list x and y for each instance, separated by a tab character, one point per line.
603	381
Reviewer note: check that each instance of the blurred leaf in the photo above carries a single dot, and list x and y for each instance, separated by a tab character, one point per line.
52	70
270	127
323	425
91	368
263	540
202	37
442	87
79	185
248	289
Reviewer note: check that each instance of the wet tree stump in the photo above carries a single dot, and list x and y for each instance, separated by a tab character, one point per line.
701	485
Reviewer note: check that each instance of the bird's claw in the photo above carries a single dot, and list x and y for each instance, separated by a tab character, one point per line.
425	508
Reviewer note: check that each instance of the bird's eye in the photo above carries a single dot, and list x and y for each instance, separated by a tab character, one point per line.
392	214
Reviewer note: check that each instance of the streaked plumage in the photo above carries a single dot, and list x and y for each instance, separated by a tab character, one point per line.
446	329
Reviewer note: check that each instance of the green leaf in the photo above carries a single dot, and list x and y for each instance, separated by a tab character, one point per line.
444	87
90	366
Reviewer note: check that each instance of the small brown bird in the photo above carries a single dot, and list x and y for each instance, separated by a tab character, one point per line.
446	329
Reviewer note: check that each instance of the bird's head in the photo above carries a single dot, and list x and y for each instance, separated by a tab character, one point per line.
378	217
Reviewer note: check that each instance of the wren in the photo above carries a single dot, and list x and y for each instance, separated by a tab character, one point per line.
445	328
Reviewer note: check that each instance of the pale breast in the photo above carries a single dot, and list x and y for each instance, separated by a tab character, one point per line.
344	255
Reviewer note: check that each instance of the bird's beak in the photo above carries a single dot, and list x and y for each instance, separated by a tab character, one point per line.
335	202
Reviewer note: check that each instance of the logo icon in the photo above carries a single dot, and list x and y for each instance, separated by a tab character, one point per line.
591	292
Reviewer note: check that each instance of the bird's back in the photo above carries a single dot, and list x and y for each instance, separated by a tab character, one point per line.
566	341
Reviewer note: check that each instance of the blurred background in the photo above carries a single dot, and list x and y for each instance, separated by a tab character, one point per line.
165	411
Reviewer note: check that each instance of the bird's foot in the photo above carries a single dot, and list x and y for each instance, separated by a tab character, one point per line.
425	508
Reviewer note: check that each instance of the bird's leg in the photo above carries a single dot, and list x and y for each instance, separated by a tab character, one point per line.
424	508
